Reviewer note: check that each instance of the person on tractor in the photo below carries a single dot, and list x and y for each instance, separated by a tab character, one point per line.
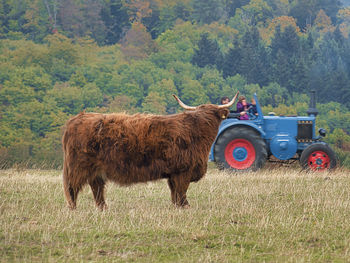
232	114
242	108
252	110
224	100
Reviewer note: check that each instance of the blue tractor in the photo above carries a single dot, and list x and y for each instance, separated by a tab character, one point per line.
248	144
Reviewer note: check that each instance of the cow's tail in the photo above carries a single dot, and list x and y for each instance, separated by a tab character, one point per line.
69	191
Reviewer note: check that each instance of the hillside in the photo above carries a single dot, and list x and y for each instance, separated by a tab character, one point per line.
58	58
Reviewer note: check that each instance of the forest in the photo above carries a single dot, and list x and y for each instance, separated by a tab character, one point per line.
59	57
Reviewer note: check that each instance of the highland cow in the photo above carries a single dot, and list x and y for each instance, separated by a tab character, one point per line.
128	149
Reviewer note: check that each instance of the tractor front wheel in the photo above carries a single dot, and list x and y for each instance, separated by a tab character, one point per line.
318	157
240	148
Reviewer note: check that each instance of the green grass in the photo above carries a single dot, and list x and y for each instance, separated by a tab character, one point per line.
274	215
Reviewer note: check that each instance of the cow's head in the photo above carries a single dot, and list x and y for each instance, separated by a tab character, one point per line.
221	111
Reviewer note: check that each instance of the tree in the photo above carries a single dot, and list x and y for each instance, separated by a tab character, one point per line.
232	5
52	9
305	11
282	22
257	12
137	43
212	82
70	18
11	19
322	22
92	95
62	48
240	22
93	24
14	92
254	63
77	79
152	22
279	7
138	10
63	57
286	41
300	75
208	53
232	61
80	19
343	18
165	14
68	98
122	103
339	138
37	24
207	11
330	7
154	103
273	95
289	62
281	69
116	21
234	84
165	88
182	10
193	92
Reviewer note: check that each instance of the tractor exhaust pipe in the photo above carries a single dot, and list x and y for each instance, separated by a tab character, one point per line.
312	106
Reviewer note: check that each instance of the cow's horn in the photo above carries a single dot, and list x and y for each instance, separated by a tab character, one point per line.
183	105
230	103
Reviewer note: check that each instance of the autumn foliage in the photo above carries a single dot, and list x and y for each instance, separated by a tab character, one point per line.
59	57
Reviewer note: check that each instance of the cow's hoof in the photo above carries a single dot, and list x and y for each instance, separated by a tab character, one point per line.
183	206
102	207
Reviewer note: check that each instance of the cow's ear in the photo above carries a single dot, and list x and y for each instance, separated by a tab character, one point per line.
223	113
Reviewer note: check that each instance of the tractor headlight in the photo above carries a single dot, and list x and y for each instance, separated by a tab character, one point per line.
322	132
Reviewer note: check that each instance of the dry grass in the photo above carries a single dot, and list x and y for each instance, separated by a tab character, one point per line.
279	215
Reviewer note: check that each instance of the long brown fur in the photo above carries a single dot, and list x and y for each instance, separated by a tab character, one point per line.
128	149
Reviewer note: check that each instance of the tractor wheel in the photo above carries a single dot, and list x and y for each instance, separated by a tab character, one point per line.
240	148
318	157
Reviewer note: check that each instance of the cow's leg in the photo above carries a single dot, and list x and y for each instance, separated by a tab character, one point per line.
178	185
98	187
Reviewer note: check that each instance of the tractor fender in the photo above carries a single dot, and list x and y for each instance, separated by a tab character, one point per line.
227	125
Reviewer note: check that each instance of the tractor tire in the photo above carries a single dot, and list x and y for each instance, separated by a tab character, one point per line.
318	157
240	149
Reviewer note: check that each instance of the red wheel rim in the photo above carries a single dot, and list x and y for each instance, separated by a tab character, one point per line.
240	154
318	161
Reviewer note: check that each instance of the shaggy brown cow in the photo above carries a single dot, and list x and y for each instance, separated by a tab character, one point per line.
128	149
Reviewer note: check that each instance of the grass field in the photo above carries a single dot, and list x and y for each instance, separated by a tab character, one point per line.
274	215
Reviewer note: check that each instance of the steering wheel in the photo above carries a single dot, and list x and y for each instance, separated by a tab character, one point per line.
251	115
